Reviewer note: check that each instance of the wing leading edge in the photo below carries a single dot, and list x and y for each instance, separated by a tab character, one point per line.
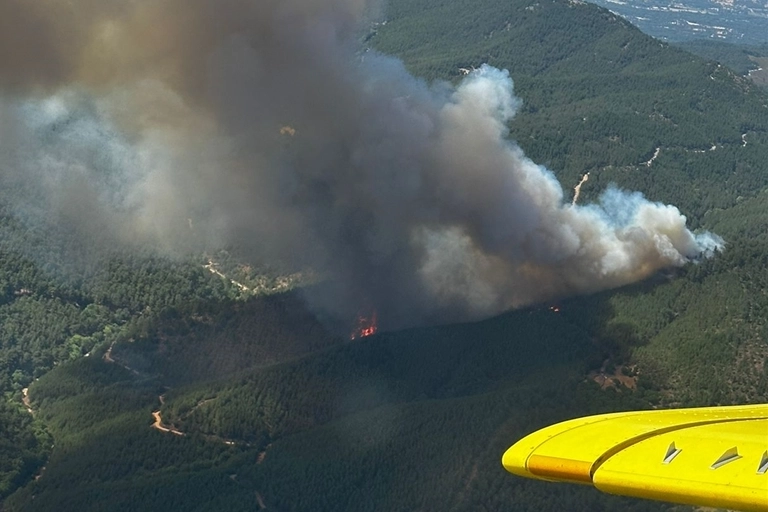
711	456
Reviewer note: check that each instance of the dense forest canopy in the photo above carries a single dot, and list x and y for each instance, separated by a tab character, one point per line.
260	399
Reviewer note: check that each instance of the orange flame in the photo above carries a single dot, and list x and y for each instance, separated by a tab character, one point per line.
366	326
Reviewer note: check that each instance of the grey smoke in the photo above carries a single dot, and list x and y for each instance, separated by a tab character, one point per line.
168	124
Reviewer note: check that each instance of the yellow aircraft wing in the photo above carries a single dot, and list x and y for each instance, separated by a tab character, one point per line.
710	456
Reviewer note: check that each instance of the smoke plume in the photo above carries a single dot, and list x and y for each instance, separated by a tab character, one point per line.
185	124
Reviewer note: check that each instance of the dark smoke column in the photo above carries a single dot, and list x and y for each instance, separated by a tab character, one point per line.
165	118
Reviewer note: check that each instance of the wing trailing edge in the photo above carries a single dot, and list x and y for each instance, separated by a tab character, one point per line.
711	456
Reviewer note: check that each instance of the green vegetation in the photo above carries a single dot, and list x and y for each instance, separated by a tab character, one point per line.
23	446
58	304
277	411
739	58
417	417
599	96
222	338
107	457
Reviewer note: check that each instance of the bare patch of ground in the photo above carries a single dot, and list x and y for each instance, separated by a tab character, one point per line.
26	402
162	427
260	284
577	188
39	474
616	379
654	157
158	424
211	267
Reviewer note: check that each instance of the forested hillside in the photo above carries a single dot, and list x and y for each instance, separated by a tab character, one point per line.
259	405
388	421
740	58
599	97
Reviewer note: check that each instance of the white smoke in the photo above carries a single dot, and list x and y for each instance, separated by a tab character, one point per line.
410	196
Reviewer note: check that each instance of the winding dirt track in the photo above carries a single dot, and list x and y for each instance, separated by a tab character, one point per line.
211	267
577	188
654	157
158	424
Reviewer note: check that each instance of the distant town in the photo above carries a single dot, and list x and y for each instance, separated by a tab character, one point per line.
733	21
